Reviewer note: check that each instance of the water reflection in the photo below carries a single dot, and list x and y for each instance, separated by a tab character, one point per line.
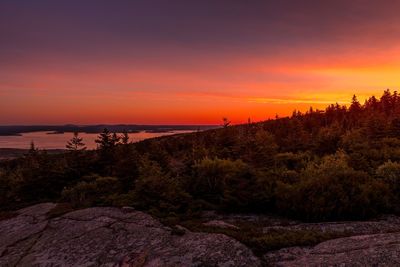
47	140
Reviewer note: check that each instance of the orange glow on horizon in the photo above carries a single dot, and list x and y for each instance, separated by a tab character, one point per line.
99	70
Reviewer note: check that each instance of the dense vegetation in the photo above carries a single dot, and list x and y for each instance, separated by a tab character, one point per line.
340	163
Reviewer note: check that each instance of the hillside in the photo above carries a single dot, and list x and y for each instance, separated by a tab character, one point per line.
342	163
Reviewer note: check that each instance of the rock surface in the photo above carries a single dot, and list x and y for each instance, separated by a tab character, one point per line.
110	237
126	237
364	250
220	224
382	225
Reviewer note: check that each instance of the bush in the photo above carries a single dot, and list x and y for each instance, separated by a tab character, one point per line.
93	191
158	191
389	173
223	182
333	190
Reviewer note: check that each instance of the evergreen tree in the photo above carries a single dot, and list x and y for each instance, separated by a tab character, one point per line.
105	140
395	128
225	122
33	150
76	143
355	106
125	138
115	139
386	102
376	127
32	147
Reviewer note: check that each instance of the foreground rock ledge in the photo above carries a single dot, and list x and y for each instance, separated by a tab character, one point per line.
110	237
125	237
365	250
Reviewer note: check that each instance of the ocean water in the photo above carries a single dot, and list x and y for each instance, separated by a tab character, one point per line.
46	140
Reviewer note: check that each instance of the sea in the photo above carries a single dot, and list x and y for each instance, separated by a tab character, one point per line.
51	140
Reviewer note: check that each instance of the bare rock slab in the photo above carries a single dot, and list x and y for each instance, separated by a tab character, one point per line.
363	250
110	237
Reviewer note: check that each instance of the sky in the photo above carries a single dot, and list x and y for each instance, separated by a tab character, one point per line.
191	62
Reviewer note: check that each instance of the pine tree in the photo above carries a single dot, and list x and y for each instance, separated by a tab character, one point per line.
105	140
75	144
115	139
386	102
32	147
33	151
125	138
355	106
225	122
376	127
395	128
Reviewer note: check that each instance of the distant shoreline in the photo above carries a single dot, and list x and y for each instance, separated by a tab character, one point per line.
58	140
17	130
12	153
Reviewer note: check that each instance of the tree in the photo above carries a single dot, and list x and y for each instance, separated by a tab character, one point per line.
221	182
157	190
32	158
376	127
105	140
125	138
389	172
355	105
260	149
33	150
115	139
395	127
75	144
225	122
386	102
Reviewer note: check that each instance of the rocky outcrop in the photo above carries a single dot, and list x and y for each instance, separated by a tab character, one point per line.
384	224
110	237
364	250
36	236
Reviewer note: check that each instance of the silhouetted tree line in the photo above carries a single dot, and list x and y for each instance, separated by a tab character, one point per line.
338	163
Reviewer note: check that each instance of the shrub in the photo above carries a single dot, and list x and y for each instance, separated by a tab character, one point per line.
93	191
389	172
333	190
158	191
223	182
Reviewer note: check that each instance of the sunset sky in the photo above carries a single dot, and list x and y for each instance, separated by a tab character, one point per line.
190	62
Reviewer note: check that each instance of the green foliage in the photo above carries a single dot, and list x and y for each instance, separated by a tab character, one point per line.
218	180
158	191
260	241
390	173
333	190
340	163
92	191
